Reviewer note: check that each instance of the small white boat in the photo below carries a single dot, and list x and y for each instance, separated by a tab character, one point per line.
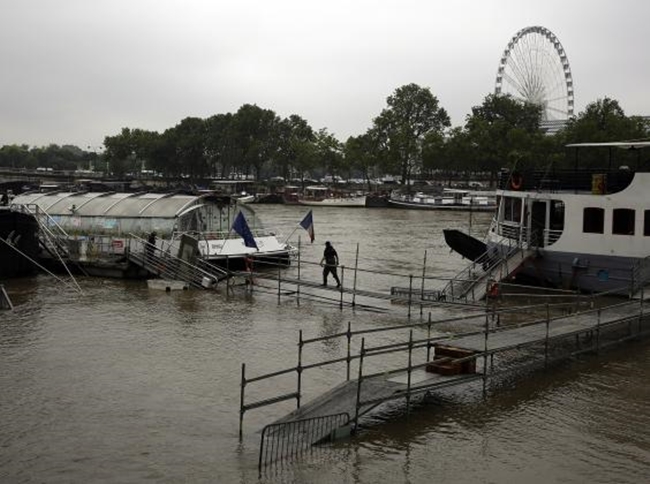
244	197
449	199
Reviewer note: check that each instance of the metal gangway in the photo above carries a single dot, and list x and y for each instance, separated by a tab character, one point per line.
161	263
50	236
482	276
420	359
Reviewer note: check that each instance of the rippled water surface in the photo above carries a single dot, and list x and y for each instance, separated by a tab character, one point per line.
128	384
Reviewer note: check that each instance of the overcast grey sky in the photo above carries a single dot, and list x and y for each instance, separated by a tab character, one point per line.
74	71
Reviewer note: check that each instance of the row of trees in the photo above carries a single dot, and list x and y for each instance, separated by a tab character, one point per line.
411	137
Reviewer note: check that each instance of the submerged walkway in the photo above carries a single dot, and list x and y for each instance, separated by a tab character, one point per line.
450	360
343	398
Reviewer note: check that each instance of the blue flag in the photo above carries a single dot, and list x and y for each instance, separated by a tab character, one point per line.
241	227
308	224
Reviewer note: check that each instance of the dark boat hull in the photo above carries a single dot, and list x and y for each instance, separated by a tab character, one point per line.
20	230
464	244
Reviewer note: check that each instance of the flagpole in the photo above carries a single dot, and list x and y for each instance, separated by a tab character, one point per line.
298	225
293	232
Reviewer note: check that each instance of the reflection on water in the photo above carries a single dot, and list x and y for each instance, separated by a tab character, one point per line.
129	384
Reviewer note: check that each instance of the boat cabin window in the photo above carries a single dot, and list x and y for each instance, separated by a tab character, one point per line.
557	215
623	221
646	223
512	209
593	220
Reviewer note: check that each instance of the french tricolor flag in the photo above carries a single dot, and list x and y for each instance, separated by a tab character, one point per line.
308	224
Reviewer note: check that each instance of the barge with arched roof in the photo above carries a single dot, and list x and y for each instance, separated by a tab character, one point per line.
97	228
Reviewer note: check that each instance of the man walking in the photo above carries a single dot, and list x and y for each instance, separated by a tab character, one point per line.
329	262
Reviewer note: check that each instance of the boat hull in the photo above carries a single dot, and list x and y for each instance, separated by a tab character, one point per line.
21	231
588	273
464	244
441	206
256	262
335	202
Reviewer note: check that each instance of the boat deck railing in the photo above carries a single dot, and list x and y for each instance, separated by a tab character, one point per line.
573	180
474	281
224	234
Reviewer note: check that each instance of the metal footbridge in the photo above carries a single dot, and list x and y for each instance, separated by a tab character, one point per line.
429	360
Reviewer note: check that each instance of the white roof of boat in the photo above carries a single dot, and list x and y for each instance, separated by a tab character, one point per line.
625	145
106	204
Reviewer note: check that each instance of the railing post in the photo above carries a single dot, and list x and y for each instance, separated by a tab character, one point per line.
341	288
354	283
241	400
299	260
357	406
548	324
299	368
429	337
410	295
485	354
5	302
424	273
348	358
641	307
408	381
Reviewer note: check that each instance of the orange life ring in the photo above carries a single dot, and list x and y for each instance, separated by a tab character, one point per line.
516	181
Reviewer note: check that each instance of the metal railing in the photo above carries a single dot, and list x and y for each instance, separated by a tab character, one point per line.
289	439
163	263
628	317
53	236
492	266
640	275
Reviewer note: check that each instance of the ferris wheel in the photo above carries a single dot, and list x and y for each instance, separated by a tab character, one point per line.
534	68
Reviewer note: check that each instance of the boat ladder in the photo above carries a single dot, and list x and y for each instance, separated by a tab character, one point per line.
480	277
163	264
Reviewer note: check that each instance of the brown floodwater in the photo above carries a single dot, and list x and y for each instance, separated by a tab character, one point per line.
129	384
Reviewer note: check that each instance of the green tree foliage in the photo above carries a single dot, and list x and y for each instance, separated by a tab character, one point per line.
256	133
296	150
412	113
66	157
120	153
17	156
221	150
408	138
602	121
503	132
360	155
189	137
329	153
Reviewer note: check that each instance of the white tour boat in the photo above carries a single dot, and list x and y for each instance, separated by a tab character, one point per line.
584	228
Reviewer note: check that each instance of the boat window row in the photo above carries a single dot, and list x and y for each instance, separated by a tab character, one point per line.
623	221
